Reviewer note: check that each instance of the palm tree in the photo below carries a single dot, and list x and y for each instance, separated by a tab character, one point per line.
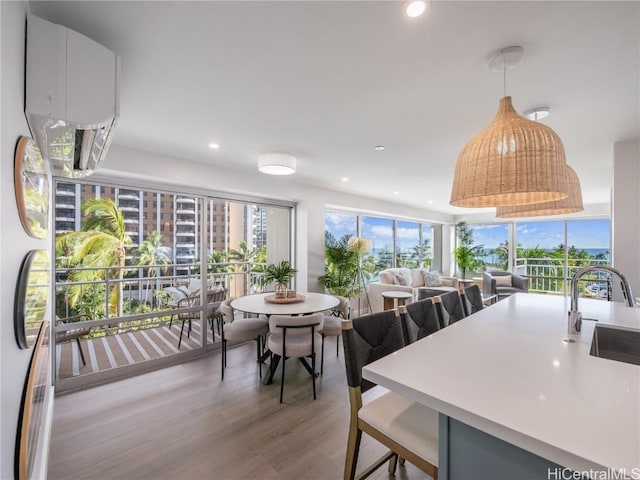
342	259
466	253
243	256
151	252
100	243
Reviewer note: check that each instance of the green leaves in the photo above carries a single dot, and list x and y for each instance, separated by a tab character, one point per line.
281	272
342	259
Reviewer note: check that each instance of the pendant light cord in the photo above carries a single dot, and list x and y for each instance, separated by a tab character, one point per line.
504	79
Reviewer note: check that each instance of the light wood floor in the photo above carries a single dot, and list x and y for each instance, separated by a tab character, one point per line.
183	422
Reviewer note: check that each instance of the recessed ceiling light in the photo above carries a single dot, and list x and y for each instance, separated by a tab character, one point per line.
396	193
214	146
430	202
415	8
345	179
379	148
537	113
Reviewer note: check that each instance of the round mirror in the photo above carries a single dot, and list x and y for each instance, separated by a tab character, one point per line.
32	297
32	188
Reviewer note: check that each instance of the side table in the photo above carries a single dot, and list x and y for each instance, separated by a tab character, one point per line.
389	299
464	283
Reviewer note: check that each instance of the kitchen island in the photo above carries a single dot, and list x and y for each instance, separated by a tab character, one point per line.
508	386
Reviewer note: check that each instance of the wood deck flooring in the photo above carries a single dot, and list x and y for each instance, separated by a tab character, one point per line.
112	351
183	422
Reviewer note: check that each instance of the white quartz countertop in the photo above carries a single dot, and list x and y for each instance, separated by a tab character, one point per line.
507	371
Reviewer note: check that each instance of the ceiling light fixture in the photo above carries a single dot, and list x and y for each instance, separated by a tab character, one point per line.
537	113
214	146
513	161
571	204
277	163
415	8
379	148
345	179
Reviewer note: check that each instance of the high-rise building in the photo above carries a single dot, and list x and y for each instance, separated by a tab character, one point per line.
176	217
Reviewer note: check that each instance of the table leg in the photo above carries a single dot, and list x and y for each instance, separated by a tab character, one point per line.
388	303
268	379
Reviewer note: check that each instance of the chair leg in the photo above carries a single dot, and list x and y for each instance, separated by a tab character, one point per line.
321	358
313	369
313	361
189	331
338	345
284	362
393	463
81	352
224	357
180	339
353	448
259	353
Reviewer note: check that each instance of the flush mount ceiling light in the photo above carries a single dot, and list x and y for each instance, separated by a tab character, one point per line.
277	164
214	146
379	148
415	8
537	113
571	204
513	161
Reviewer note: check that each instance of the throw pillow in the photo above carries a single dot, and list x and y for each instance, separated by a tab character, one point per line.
195	284
184	290
175	293
432	279
402	279
386	276
503	280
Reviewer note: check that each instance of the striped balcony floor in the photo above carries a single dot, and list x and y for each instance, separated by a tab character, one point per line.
113	351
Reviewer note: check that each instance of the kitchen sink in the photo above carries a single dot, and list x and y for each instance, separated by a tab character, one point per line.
616	344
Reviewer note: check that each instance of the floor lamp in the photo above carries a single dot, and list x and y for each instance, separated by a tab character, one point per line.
362	246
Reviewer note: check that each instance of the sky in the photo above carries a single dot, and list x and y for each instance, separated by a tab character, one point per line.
547	234
584	234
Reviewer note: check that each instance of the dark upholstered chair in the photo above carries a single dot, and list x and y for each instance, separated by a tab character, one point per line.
450	308
242	329
73	334
295	337
472	300
332	326
419	320
503	284
407	428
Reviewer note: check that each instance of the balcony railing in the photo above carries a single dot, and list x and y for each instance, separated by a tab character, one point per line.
549	275
144	306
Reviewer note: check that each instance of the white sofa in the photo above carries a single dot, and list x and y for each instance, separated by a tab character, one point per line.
391	279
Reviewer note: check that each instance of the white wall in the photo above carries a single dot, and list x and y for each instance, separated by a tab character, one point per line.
14	242
626	211
146	168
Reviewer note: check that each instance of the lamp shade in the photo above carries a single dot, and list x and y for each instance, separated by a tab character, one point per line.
513	161
571	204
363	245
277	164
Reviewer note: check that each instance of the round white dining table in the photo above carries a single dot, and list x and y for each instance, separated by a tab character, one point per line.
313	302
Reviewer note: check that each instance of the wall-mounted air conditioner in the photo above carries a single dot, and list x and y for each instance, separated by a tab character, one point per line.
72	97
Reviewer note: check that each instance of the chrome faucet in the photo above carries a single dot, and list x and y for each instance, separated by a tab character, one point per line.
575	317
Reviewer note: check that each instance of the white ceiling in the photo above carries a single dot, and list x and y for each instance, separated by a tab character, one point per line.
327	81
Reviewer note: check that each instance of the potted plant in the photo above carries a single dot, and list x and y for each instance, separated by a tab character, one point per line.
466	253
280	273
342	269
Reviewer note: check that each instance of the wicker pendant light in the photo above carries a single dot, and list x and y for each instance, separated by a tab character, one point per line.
571	204
513	161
